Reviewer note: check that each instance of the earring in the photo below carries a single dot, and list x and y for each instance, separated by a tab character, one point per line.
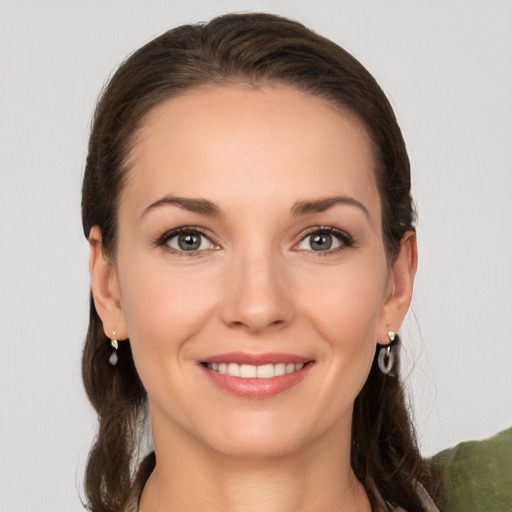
386	358
113	359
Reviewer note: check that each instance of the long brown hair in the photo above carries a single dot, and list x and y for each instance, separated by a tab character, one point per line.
255	49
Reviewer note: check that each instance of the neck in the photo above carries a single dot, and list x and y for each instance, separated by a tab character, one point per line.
188	477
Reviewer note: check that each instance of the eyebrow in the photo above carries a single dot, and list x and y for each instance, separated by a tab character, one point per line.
205	207
201	206
321	205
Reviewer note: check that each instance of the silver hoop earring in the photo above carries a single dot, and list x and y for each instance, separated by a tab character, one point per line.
113	359
386	359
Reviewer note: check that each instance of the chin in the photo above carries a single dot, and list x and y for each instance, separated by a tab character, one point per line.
263	447
263	435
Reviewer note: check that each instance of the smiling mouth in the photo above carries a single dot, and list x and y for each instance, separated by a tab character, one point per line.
249	371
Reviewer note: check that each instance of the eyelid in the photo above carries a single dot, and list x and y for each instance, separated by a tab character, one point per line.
345	239
162	241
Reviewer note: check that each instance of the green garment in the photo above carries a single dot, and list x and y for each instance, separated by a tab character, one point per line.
478	475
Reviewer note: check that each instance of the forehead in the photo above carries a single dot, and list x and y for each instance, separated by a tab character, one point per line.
250	144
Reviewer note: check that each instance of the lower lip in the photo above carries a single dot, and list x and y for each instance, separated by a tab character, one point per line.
257	388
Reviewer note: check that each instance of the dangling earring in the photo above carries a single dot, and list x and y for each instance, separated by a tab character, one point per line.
113	359
386	358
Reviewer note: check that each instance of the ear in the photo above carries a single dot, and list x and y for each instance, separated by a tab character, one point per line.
400	285
105	288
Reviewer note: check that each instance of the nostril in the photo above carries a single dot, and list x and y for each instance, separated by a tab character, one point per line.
257	325
238	324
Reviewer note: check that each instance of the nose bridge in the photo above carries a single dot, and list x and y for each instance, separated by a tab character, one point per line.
257	294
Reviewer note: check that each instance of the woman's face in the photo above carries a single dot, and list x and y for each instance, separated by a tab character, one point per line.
250	241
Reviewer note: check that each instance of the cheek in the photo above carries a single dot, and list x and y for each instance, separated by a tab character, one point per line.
163	309
351	328
348	308
348	315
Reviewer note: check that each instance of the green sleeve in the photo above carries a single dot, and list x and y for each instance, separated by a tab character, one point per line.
478	475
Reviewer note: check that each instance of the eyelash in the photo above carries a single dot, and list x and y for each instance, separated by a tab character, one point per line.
189	230
345	239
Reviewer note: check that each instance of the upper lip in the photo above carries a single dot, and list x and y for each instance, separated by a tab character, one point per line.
256	359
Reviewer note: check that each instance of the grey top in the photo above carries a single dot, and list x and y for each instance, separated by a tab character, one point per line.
426	501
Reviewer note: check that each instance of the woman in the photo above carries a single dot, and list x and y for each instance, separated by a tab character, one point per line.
247	203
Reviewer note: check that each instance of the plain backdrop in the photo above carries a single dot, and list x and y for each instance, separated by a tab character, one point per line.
447	68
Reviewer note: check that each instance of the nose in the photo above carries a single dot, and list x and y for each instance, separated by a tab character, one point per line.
258	294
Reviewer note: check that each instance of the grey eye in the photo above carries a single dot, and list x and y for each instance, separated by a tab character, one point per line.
189	241
320	241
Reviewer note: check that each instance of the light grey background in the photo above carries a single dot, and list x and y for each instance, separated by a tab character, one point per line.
446	66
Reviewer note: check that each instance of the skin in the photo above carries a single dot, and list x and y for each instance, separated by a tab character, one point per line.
255	285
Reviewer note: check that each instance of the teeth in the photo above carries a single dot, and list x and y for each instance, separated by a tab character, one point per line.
265	371
249	371
279	369
233	369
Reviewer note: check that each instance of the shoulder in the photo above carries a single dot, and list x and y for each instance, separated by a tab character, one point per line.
478	474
